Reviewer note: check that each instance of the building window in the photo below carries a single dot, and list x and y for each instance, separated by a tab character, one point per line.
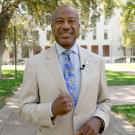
105	34
49	35
11	55
35	34
134	52
94	34
94	49
106	51
83	46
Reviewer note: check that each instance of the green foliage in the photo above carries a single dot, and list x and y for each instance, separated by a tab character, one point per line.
128	24
127	111
90	10
42	10
120	78
108	7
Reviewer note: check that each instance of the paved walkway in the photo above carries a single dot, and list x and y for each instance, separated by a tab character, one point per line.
12	124
122	94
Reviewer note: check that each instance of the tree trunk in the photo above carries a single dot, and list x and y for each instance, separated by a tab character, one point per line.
2	44
5	17
4	22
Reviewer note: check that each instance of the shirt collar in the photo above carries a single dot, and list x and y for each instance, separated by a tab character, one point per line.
60	49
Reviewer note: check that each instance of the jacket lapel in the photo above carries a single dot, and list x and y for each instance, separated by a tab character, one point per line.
52	63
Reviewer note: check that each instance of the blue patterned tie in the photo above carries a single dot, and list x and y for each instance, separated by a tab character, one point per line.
69	76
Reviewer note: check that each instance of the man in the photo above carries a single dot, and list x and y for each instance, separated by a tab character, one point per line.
64	88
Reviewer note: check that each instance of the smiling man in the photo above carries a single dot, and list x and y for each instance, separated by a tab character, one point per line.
65	26
64	90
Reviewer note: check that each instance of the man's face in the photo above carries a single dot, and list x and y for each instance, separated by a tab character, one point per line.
65	27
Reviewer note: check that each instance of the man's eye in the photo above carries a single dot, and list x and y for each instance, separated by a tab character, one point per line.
72	21
59	21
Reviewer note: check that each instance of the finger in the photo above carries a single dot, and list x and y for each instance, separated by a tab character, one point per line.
68	96
78	133
63	92
65	105
69	106
84	130
90	133
69	109
66	99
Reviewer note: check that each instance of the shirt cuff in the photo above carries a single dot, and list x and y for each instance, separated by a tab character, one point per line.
50	111
102	126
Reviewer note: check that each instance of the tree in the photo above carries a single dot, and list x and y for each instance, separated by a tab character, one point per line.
128	24
42	10
7	11
8	7
24	25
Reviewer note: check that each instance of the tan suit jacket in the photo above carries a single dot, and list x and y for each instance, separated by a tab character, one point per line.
43	82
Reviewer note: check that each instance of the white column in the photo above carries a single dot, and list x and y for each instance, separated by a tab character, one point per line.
100	47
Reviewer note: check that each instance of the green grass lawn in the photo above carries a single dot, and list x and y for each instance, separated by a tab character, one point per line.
9	84
127	111
120	78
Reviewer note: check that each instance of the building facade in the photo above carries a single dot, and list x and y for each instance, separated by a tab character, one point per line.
104	40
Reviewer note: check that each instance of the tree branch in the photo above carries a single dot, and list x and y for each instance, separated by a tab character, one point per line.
10	7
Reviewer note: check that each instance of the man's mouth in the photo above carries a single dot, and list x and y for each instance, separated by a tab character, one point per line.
65	35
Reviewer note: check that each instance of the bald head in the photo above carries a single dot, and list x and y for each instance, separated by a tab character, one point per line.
65	7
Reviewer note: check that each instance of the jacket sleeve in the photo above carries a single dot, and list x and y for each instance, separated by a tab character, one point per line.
103	102
30	107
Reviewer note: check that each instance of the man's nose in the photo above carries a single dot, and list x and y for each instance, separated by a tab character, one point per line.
66	25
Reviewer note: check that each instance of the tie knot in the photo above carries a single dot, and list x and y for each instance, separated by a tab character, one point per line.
67	55
67	52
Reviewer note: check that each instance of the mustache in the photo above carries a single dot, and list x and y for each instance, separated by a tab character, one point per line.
66	32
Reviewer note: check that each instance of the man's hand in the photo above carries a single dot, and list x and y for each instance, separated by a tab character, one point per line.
62	104
91	127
